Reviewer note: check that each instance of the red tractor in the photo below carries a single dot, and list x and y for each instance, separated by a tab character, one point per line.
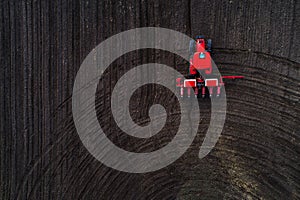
201	77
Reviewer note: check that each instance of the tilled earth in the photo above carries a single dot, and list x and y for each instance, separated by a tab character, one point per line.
42	46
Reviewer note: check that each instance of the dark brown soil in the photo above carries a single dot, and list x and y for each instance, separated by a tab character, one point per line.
42	46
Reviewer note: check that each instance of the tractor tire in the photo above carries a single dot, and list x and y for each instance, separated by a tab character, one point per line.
192	47
208	46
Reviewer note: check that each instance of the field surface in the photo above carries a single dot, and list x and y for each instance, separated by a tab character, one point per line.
43	44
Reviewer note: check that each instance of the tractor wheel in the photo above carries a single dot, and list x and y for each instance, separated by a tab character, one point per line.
209	42
192	47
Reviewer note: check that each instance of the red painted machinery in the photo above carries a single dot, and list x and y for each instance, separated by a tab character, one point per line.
201	78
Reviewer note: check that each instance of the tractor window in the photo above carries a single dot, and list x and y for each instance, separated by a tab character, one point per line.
202	55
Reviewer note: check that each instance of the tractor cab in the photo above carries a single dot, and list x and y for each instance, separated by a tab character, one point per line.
201	61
